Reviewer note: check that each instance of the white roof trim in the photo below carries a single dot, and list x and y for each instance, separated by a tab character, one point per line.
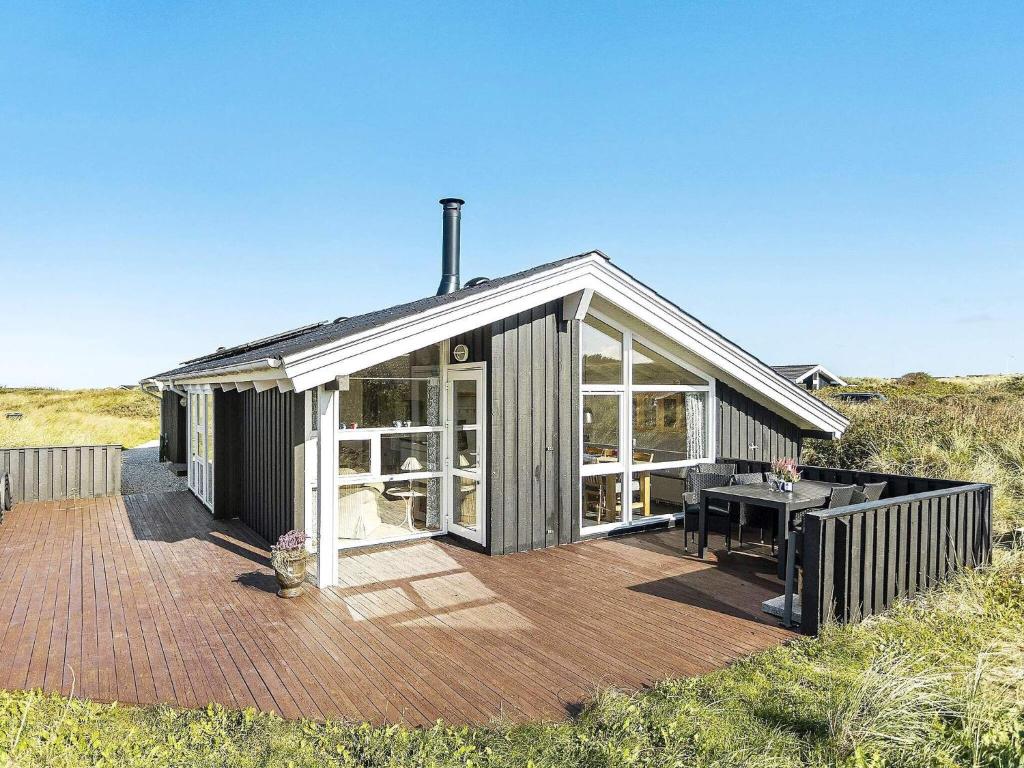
824	370
594	273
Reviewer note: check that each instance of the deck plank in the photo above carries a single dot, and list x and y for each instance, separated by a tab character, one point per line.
147	598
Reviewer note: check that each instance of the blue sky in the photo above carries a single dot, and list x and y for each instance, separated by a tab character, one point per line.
841	183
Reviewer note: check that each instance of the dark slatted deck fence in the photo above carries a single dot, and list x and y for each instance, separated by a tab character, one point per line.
860	559
62	472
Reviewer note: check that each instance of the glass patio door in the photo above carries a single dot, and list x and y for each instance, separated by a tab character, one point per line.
201	427
465	424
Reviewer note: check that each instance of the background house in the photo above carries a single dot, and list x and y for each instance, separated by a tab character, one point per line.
811	376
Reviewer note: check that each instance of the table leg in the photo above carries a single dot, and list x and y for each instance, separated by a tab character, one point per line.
787	613
780	558
702	530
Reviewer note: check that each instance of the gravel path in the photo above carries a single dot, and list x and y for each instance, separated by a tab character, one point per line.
142	472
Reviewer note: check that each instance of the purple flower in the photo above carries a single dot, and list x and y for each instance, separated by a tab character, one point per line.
290	541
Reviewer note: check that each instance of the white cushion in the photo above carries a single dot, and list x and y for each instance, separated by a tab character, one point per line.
357	511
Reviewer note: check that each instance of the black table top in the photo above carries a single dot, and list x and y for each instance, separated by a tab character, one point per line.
805	495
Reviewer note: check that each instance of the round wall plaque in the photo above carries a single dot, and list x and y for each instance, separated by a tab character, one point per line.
461	353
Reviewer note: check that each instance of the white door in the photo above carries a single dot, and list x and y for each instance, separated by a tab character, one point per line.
201	427
466	444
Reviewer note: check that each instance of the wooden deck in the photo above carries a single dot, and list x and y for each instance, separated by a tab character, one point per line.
146	598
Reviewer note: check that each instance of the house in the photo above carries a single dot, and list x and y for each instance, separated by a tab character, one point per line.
527	411
811	376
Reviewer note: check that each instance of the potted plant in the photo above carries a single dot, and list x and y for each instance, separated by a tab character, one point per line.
288	558
785	473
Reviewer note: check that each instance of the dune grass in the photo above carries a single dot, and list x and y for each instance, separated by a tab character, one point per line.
969	428
77	417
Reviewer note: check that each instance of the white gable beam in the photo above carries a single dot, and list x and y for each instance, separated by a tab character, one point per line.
575	305
243	386
262	385
284	385
595	274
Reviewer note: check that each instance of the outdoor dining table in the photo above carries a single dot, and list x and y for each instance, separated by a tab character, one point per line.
806	494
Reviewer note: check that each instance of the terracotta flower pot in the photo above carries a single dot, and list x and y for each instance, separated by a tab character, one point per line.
290	570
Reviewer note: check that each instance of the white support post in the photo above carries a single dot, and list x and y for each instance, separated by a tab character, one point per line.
327	496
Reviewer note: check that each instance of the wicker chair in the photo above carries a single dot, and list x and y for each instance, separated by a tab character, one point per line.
841	496
873	491
717	511
759	517
722	469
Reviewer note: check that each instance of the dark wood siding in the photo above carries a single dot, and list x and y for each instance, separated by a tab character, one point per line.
258	434
532	471
743	423
173	429
227	426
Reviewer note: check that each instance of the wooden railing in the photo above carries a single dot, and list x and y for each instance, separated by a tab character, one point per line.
62	472
860	559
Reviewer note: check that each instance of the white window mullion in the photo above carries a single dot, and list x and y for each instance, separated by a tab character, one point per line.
627	427
375	460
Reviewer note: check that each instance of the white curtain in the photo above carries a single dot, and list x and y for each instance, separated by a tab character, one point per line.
696	426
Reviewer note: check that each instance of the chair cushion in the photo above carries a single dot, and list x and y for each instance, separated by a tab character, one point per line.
748	478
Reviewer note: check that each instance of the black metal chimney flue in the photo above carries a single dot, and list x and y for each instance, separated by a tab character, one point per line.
451	219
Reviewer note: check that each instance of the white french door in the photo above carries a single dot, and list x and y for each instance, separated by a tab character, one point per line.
465	427
201	445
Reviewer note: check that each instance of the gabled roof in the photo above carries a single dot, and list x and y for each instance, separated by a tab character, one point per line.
798	373
315	335
317	354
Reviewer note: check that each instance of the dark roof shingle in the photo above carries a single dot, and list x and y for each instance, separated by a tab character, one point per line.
314	335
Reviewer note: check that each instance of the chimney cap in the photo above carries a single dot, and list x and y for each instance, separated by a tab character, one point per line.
451	201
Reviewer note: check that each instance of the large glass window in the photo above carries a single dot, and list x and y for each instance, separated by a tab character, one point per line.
669	426
650	367
602	352
389	449
402	392
354	456
601	428
645	418
602	500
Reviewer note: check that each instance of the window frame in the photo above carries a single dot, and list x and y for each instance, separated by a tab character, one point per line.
626	467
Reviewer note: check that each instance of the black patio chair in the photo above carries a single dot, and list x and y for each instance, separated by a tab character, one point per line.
761	518
722	469
718	511
841	496
873	491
